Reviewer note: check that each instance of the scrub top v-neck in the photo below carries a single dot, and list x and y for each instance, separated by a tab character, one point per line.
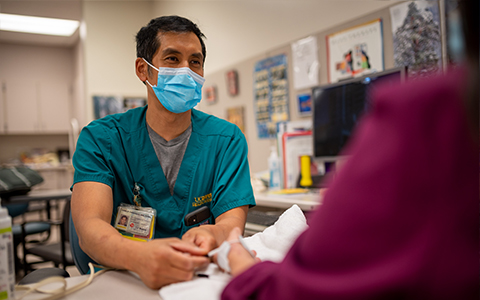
117	151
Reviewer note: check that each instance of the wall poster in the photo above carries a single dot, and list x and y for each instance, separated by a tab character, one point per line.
133	102
417	38
210	95
270	95
355	51
236	116
305	63
304	104
107	105
232	82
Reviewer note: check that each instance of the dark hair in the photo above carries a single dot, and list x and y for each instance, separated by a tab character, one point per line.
147	36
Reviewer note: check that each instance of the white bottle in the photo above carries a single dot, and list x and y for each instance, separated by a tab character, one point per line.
274	168
7	267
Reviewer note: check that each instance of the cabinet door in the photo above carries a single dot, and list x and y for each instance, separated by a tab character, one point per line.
21	106
54	100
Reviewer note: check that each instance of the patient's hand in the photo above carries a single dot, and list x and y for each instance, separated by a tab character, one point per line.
202	237
240	259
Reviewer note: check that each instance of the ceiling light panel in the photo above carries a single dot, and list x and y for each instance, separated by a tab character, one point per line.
38	25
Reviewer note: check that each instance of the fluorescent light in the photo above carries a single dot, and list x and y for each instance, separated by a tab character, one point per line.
38	25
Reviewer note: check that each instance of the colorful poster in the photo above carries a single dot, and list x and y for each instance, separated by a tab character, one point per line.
417	38
270	95
304	104
356	51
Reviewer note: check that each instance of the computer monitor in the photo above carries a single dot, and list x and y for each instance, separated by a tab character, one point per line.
338	107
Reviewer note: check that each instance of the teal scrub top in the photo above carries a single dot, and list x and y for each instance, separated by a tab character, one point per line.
116	150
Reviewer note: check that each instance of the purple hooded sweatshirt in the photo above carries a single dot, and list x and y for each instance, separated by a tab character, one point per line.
401	217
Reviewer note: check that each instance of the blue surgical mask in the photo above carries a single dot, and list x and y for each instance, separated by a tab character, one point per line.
178	89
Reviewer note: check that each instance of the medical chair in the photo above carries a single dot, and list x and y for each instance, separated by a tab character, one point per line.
80	259
59	253
22	231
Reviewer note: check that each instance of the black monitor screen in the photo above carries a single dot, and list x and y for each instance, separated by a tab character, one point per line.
338	107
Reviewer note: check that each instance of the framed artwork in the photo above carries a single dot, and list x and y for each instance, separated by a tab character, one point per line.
232	82
355	51
417	38
211	95
236	116
132	102
304	104
106	105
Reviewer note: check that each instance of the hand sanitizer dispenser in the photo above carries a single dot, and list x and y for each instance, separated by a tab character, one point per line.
274	168
7	268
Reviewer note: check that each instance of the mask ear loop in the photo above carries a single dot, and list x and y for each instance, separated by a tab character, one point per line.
147	71
150	65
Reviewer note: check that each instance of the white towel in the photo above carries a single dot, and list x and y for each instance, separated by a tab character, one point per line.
271	244
274	242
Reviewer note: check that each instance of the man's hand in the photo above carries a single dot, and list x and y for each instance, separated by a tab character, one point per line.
157	262
169	260
202	237
209	237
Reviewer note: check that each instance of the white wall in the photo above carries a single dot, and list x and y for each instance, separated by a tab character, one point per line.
236	31
239	33
78	107
109	49
239	30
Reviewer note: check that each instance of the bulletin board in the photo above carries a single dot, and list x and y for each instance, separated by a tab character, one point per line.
270	94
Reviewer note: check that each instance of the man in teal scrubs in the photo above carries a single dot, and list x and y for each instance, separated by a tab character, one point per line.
166	155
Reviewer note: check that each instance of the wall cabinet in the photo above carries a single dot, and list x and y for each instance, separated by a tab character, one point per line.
35	106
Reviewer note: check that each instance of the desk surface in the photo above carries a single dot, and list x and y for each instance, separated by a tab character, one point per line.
39	196
110	285
306	202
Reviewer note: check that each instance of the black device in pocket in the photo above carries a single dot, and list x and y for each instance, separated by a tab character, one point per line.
197	216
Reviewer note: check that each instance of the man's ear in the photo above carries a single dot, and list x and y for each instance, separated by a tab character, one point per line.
141	69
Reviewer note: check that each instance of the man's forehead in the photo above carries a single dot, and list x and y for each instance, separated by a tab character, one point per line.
163	36
167	41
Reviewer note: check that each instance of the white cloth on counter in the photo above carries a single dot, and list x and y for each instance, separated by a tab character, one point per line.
271	244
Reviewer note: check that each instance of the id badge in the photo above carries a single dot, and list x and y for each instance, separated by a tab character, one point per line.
136	223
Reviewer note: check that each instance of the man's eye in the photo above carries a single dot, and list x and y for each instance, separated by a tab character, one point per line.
196	62
172	58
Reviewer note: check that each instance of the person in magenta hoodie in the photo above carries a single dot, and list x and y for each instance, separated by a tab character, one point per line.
401	218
